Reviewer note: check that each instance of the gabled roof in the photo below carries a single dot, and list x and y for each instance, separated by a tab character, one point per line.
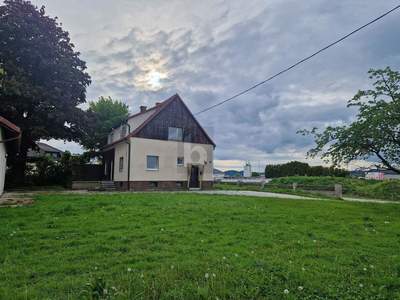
9	126
47	148
158	109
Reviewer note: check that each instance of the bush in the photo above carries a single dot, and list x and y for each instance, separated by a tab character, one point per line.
296	168
386	190
45	171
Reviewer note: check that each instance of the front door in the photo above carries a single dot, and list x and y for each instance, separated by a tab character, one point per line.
194	177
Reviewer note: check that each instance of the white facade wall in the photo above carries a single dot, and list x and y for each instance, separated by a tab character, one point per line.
3	164
167	152
121	150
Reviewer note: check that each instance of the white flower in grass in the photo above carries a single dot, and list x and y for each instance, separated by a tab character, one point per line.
300	288
172	267
214	275
314	241
162	229
224	258
365	269
236	254
141	275
206	276
303	269
371	266
387	222
286	291
129	270
361	285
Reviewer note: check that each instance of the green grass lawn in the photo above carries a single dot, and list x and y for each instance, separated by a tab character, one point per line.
190	246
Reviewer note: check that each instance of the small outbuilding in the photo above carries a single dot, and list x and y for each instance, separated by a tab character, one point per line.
9	143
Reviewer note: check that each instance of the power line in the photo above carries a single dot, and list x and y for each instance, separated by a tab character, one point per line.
297	63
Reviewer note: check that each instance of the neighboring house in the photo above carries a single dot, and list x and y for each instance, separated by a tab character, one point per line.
44	150
9	142
379	174
163	147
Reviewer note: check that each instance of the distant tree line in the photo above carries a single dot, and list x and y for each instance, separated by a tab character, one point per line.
296	168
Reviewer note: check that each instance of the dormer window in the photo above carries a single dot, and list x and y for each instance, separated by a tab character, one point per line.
175	134
111	137
123	131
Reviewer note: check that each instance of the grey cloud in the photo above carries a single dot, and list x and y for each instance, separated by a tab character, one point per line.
228	46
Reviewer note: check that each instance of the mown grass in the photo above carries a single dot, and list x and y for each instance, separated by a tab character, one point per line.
190	246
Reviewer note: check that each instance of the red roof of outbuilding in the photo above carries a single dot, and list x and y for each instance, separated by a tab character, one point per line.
9	126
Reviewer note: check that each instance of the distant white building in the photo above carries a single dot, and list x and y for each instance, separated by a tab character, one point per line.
247	170
378	174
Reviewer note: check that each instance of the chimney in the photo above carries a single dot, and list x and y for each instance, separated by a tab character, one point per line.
143	108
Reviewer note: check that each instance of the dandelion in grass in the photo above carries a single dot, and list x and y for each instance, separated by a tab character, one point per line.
365	269
286	291
300	288
206	276
361	285
129	270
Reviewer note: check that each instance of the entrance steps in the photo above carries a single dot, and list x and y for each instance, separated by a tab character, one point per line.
107	186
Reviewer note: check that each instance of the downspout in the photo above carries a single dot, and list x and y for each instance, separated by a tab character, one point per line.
129	156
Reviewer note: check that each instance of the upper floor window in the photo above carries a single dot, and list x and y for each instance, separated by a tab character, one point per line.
152	162
180	161
175	133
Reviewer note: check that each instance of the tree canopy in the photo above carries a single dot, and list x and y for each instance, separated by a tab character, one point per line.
375	134
106	114
43	79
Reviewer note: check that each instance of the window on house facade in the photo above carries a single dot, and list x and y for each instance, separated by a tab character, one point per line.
121	164
175	134
123	131
152	162
180	161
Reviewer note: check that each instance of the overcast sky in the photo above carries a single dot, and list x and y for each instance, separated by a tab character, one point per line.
144	51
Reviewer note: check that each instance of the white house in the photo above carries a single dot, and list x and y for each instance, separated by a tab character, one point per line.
9	136
163	147
380	174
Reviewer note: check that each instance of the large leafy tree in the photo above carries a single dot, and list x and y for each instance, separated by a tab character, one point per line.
105	114
375	134
43	79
